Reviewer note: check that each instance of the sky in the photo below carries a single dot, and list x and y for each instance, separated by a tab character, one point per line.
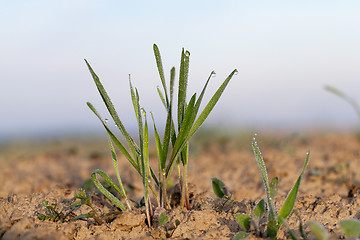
285	52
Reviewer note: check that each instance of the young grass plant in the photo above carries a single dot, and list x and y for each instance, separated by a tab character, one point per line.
85	199
247	221
274	220
188	122
222	192
54	215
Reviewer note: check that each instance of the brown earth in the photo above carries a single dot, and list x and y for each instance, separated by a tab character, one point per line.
32	173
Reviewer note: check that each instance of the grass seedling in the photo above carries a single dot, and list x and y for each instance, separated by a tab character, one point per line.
274	220
55	215
347	98
222	192
188	122
247	221
85	199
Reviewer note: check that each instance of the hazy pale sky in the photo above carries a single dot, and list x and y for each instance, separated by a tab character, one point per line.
285	52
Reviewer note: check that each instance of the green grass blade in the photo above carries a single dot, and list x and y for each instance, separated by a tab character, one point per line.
172	81
134	100
199	100
167	135
106	99
153	175
350	227
116	167
274	184
261	165
161	97
104	191
181	139
146	146
289	203
318	230
146	166
169	127
185	154
159	148
209	107
335	91
115	140
160	69
272	216
181	93
344	96
183	79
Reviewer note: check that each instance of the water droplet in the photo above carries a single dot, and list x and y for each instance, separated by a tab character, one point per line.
236	72
213	74
187	53
106	120
149	181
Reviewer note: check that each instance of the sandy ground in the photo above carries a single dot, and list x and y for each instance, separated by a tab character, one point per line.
32	173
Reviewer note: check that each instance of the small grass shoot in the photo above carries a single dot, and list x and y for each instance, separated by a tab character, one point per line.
221	191
53	214
85	199
274	219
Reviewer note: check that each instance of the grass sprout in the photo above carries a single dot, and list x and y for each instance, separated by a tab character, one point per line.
172	149
275	220
85	199
53	214
247	221
221	191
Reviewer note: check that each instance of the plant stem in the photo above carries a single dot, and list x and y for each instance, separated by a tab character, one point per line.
151	186
184	200
163	189
186	192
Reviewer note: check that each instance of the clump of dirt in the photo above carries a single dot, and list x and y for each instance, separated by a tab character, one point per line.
54	171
